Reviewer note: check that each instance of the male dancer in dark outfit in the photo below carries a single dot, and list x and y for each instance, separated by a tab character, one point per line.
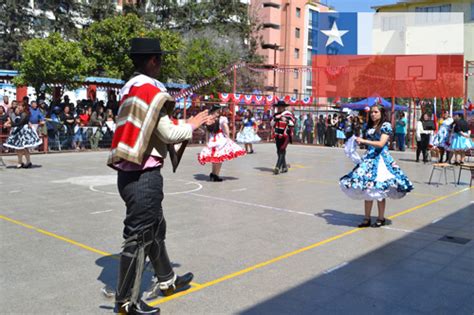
140	144
283	122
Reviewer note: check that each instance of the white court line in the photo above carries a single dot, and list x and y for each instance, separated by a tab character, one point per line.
14	191
199	187
97	212
436	220
404	230
253	204
336	267
240	189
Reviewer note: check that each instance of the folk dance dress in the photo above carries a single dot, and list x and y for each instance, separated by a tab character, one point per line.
248	133
22	135
377	176
219	147
461	138
442	138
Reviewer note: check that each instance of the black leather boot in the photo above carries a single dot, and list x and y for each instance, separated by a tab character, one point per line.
132	309
180	283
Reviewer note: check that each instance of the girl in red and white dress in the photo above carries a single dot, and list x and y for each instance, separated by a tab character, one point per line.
219	147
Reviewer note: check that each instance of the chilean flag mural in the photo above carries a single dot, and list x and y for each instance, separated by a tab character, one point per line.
415	54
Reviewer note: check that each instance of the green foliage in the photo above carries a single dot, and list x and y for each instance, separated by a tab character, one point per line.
64	21
13	29
108	43
51	60
98	10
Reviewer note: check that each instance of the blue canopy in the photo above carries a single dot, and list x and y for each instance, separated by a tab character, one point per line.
371	101
461	112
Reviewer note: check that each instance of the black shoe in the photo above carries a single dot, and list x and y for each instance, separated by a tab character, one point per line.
18	166
132	309
284	170
378	223
276	171
251	152
180	283
214	178
365	223
29	165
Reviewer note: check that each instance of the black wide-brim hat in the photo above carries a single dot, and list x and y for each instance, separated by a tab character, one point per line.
147	46
281	103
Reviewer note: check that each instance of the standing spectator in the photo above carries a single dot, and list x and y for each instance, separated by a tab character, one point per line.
356	127
461	139
4	123
298	127
13	107
97	120
308	128
67	118
22	136
424	130
321	129
401	131
6	104
340	132
82	121
36	116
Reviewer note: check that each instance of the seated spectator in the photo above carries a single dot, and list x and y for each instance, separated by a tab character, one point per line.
67	118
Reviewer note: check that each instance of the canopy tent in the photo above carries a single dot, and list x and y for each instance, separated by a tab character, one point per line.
371	101
461	112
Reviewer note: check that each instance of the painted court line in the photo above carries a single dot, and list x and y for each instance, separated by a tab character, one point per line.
252	204
67	240
293	253
197	287
105	211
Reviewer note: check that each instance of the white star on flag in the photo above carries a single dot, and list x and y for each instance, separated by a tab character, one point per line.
334	35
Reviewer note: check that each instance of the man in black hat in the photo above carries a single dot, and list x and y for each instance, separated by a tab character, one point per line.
142	139
283	122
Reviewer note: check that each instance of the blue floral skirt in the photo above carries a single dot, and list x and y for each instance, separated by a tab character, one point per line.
377	177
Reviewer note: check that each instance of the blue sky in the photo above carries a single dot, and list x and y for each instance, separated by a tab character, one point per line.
356	5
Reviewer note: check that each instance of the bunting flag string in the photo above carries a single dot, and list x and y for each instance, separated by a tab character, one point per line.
263	100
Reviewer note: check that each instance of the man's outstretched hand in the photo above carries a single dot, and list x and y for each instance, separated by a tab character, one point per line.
200	119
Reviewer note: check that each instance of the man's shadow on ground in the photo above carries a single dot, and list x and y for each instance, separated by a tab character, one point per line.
335	217
22	168
109	275
205	178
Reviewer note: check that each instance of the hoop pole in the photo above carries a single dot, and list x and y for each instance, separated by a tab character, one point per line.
466	77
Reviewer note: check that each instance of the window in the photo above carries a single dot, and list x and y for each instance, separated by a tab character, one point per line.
297	53
310	37
271	5
309	57
295	93
271	25
297	32
296	74
298	12
309	78
432	14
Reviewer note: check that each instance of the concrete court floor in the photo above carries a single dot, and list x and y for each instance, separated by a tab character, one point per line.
257	243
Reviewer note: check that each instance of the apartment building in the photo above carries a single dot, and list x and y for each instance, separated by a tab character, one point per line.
286	40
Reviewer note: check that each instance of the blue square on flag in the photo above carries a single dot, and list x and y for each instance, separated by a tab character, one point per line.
336	33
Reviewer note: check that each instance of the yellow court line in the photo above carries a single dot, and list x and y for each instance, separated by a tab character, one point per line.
67	240
298	251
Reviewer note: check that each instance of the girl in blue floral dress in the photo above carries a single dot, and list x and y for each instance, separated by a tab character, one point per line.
377	176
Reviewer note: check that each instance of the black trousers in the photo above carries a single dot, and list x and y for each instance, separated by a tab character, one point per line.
142	193
422	146
281	144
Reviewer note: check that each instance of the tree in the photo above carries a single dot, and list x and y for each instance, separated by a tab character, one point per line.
98	10
15	22
66	14
108	43
51	60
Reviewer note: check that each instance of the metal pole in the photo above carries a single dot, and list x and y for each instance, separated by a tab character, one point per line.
233	104
466	72
184	110
274	67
